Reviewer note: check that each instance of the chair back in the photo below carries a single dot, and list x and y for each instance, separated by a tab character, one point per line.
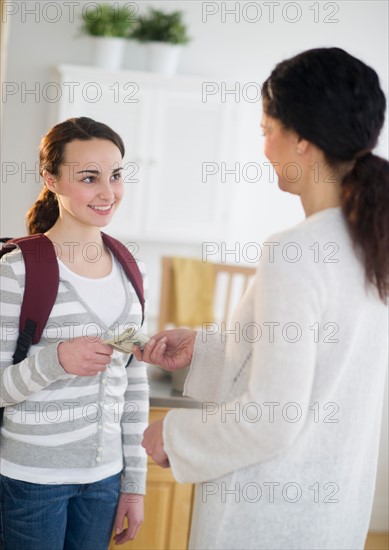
231	282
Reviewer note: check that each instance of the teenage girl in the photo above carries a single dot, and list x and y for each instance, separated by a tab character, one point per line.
72	466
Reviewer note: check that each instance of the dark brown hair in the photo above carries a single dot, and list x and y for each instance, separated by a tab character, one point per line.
335	101
44	212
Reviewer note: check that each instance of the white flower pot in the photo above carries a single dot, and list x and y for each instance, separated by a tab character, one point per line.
108	52
163	57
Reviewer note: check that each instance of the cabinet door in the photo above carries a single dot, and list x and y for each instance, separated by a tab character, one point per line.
169	133
167	514
181	205
168	508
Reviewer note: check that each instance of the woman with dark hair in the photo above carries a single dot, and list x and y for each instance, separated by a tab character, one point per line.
70	461
285	449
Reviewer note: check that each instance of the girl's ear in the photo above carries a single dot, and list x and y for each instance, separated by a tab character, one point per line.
50	181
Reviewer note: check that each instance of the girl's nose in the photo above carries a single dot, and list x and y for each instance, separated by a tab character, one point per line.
106	191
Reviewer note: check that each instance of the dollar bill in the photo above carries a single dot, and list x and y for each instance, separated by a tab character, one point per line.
125	341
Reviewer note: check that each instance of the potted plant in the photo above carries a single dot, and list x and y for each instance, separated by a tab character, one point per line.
109	26
164	34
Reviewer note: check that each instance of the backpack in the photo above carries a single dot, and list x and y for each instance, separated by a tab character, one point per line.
42	281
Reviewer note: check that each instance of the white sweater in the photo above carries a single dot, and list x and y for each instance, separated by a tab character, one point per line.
286	444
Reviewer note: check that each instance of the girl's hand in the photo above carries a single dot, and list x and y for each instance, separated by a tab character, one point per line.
169	349
130	506
84	358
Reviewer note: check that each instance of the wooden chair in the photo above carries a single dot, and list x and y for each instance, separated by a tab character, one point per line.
231	283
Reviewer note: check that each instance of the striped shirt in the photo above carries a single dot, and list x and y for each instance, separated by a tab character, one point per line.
59	427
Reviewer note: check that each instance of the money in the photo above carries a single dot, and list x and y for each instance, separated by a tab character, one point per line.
125	341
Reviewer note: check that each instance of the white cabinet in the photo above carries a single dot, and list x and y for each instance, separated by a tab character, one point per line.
169	131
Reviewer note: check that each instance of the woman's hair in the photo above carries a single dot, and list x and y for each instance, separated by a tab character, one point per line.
45	211
333	100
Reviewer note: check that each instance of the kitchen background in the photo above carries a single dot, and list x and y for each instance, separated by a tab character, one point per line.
193	138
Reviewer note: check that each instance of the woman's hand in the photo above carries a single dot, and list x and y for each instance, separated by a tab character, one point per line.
169	349
84	358
130	506
153	443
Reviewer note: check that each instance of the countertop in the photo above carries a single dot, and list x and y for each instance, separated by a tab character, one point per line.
162	393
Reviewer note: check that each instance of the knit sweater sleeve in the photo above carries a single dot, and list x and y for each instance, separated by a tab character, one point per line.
135	420
282	372
19	381
202	382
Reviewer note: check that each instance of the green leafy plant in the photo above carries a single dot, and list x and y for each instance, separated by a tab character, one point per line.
107	20
159	26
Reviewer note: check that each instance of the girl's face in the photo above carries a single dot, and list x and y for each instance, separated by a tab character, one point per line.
281	149
90	186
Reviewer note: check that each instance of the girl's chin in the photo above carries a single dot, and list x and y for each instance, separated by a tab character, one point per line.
100	222
103	222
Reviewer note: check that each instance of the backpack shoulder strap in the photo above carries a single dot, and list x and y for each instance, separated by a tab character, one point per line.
130	266
41	288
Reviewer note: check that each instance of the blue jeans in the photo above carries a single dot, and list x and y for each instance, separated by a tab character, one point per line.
58	517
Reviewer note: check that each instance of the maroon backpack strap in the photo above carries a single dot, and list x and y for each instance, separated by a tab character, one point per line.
41	285
130	266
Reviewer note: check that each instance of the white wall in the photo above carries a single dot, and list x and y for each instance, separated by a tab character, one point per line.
229	46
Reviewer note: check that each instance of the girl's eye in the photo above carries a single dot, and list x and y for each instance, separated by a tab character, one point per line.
117	176
89	179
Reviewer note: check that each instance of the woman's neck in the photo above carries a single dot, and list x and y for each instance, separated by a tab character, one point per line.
321	189
314	203
320	186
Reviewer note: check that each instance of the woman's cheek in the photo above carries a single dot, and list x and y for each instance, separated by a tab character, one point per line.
267	149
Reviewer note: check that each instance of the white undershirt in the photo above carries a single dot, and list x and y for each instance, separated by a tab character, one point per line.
105	296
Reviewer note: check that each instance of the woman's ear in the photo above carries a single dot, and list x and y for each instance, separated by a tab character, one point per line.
302	146
50	181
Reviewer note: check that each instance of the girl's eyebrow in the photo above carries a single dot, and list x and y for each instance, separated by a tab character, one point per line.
88	172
